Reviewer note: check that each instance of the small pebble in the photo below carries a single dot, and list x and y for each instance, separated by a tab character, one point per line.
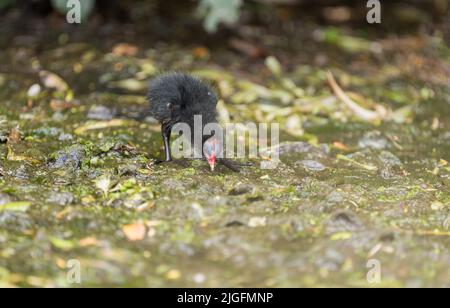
34	91
255	222
311	165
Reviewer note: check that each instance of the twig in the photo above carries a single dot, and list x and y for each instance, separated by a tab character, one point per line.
364	114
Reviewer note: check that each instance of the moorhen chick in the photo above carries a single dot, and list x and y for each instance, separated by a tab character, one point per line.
178	97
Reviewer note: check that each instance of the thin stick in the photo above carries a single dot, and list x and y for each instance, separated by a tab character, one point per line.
364	114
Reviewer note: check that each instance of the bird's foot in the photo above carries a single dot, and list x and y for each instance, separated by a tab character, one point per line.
233	165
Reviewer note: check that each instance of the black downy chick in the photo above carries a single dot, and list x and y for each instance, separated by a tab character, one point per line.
177	98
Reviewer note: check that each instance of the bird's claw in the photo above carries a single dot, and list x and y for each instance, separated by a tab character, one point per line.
234	166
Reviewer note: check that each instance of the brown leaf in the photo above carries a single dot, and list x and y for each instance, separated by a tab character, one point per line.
60	105
247	48
338	14
61	263
14	136
135	232
88	241
201	53
341	146
125	50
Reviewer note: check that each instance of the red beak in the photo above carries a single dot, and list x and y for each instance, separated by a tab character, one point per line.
212	162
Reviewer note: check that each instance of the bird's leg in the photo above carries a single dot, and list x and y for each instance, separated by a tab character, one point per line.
166	130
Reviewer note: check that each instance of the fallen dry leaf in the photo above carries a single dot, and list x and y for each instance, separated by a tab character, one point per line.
125	50
101	125
61	263
11	156
201	53
130	84
88	241
247	48
135	232
104	184
145	206
173	274
21	206
14	136
60	105
340	146
63	213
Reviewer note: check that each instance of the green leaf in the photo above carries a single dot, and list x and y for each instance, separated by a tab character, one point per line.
342	236
15	206
62	244
274	66
219	11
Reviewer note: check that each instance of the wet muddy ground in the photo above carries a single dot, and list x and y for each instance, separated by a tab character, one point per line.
77	179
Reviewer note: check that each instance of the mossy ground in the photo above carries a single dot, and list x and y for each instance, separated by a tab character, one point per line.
88	189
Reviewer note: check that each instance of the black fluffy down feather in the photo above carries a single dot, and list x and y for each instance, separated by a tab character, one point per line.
177	98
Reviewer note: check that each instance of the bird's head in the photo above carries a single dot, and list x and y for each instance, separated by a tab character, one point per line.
212	150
